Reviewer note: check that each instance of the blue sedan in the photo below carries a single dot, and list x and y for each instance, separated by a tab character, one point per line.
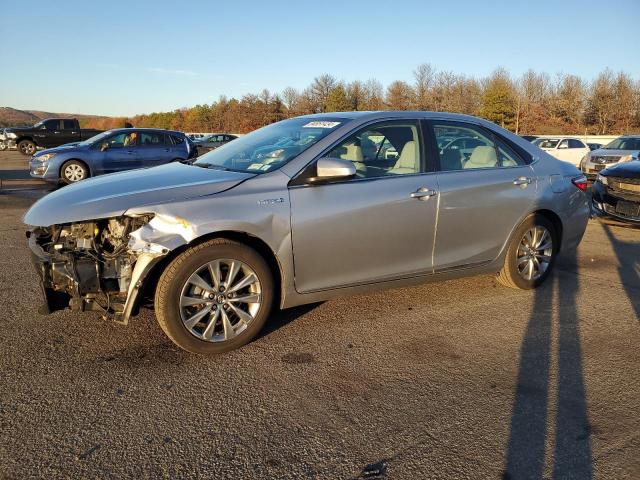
111	151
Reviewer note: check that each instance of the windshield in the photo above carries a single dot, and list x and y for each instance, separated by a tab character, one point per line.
624	143
546	142
271	147
95	138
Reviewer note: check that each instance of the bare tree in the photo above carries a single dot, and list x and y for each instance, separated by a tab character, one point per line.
374	98
291	100
601	103
424	77
320	88
399	96
626	102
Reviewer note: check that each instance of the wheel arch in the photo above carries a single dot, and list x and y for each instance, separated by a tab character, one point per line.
259	245
25	137
555	220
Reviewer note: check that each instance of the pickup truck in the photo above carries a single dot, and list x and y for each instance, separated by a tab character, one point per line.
48	133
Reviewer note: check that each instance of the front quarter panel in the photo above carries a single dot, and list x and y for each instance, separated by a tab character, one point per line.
258	207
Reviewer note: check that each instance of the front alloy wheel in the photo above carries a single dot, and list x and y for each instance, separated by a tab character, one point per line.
214	297
220	300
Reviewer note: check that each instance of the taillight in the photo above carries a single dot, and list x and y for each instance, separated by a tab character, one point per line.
580	182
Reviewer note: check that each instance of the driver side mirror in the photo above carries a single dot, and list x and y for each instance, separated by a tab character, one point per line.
104	146
331	169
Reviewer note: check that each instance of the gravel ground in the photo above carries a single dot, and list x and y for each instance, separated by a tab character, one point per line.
462	379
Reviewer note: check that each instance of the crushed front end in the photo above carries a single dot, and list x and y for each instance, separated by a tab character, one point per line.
91	266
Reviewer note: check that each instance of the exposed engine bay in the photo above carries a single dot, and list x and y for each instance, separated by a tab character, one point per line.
89	265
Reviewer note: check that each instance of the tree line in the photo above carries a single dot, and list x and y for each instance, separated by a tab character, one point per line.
532	103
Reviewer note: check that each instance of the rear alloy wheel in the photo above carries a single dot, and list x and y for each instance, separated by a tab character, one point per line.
531	254
214	297
27	147
74	171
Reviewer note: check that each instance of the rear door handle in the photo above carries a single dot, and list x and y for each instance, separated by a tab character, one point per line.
130	152
523	181
423	193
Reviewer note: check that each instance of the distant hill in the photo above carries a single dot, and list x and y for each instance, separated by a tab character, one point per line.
11	117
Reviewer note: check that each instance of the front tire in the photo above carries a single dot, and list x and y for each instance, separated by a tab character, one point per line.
214	297
531	254
73	171
27	147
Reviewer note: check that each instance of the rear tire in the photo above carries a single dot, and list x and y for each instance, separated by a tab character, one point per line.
27	147
73	171
198	304
531	254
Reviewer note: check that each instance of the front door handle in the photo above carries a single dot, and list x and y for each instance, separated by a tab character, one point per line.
130	152
523	181
423	193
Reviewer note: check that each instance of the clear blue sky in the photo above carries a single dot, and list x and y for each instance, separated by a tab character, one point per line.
122	58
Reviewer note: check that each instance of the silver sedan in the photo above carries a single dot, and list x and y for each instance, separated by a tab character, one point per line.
305	210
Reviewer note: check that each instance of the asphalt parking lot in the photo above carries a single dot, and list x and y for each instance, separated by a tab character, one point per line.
462	379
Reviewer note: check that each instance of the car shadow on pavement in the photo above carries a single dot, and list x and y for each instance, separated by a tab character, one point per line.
533	415
628	254
280	318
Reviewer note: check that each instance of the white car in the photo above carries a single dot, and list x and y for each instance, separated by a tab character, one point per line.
567	149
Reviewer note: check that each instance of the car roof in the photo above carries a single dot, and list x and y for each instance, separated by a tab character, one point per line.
382	114
144	130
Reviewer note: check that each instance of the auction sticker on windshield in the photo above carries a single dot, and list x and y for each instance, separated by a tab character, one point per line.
321	124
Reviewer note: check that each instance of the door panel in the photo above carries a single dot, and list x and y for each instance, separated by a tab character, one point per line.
478	210
362	231
121	158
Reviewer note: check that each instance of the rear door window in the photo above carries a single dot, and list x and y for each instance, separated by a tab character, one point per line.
573	143
464	146
152	139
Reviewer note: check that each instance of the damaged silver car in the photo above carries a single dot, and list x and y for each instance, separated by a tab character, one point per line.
301	211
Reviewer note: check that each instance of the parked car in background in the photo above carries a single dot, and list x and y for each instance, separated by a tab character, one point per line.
529	138
594	146
622	149
3	140
616	192
48	133
567	149
217	242
211	142
111	151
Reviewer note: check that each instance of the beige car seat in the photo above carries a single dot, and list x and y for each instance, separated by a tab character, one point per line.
408	160
483	156
353	153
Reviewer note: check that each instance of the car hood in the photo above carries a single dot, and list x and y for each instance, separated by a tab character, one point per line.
625	170
610	152
17	129
111	195
61	149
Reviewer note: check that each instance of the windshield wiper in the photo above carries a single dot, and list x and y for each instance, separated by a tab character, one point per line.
219	167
